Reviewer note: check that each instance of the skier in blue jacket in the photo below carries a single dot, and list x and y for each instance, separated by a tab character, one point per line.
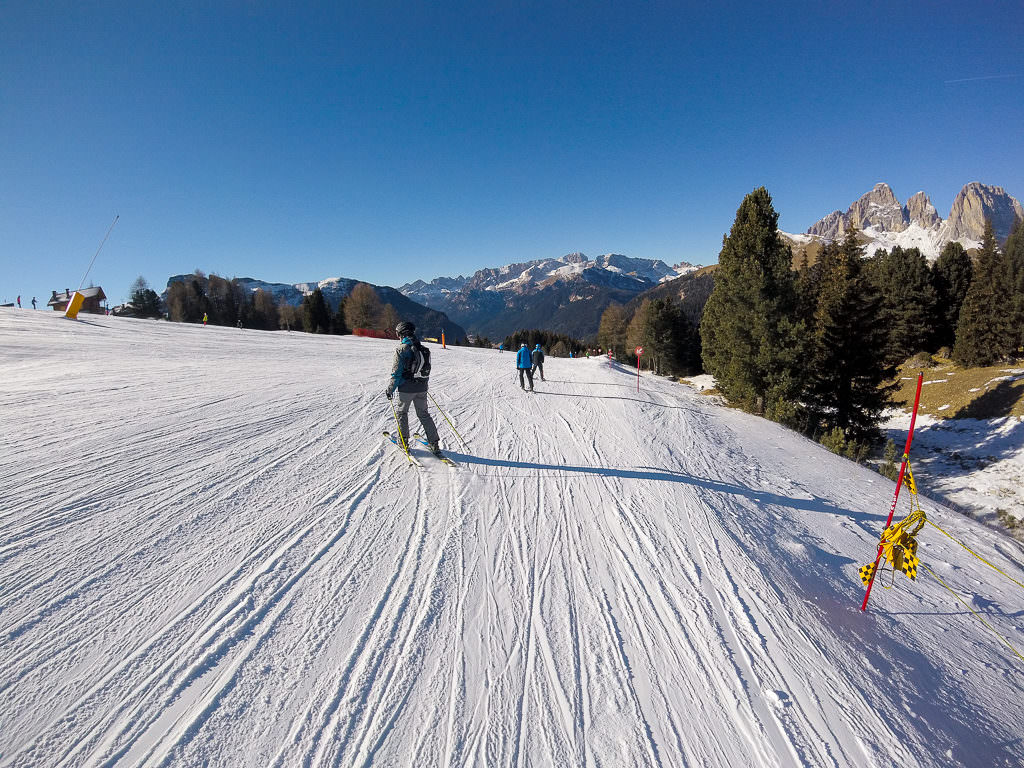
524	362
410	372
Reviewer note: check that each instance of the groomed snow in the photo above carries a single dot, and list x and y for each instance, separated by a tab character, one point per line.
210	557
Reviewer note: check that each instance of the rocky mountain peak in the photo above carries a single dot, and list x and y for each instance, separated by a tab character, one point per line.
921	211
575	258
977	202
878	208
884	223
831	227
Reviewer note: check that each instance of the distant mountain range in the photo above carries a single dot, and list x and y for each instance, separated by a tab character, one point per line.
429	322
885	222
570	293
567	294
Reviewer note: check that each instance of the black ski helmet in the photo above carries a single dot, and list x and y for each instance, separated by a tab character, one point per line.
405	328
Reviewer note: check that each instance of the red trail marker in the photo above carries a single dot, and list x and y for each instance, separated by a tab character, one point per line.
899	484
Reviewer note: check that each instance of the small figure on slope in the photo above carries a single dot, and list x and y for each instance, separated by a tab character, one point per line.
525	365
538	360
410	372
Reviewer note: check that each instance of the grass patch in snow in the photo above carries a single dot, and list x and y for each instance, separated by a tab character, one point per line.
952	392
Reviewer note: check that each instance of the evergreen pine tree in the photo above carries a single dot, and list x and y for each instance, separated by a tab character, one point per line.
951	277
808	285
983	333
338	324
750	340
316	318
144	299
847	366
908	301
1013	257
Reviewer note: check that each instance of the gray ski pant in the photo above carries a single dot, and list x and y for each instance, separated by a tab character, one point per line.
419	400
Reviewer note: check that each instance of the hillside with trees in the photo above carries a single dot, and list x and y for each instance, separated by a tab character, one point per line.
817	348
247	303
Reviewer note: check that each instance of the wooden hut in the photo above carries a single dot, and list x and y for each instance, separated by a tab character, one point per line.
94	297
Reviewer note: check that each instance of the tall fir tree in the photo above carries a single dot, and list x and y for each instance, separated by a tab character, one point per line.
808	285
951	277
144	299
983	333
1013	258
908	307
846	367
338	324
749	333
316	318
668	339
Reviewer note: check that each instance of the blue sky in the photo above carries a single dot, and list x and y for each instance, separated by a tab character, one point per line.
390	141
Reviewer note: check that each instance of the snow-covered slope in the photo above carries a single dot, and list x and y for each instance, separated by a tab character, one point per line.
210	557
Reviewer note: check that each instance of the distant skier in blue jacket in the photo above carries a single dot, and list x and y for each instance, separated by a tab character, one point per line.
524	362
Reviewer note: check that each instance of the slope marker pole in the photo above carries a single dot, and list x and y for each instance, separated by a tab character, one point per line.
899	484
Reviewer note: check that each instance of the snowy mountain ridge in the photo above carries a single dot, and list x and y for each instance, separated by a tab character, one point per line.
565	294
532	275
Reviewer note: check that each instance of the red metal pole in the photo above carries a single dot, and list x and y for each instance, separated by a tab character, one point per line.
899	484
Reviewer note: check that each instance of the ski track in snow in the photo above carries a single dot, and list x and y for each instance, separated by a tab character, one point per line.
210	558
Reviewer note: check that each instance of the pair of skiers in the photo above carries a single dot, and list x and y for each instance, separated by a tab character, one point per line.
529	363
410	373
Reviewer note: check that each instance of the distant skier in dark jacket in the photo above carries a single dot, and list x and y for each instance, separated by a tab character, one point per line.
538	361
525	365
410	371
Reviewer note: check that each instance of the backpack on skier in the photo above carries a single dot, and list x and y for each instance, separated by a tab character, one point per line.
418	366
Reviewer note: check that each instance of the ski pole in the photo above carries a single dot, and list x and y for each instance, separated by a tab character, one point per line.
398	426
464	444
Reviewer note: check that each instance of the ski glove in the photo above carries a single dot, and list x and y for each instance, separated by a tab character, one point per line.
389	392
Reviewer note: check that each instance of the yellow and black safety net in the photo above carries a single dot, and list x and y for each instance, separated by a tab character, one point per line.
899	547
